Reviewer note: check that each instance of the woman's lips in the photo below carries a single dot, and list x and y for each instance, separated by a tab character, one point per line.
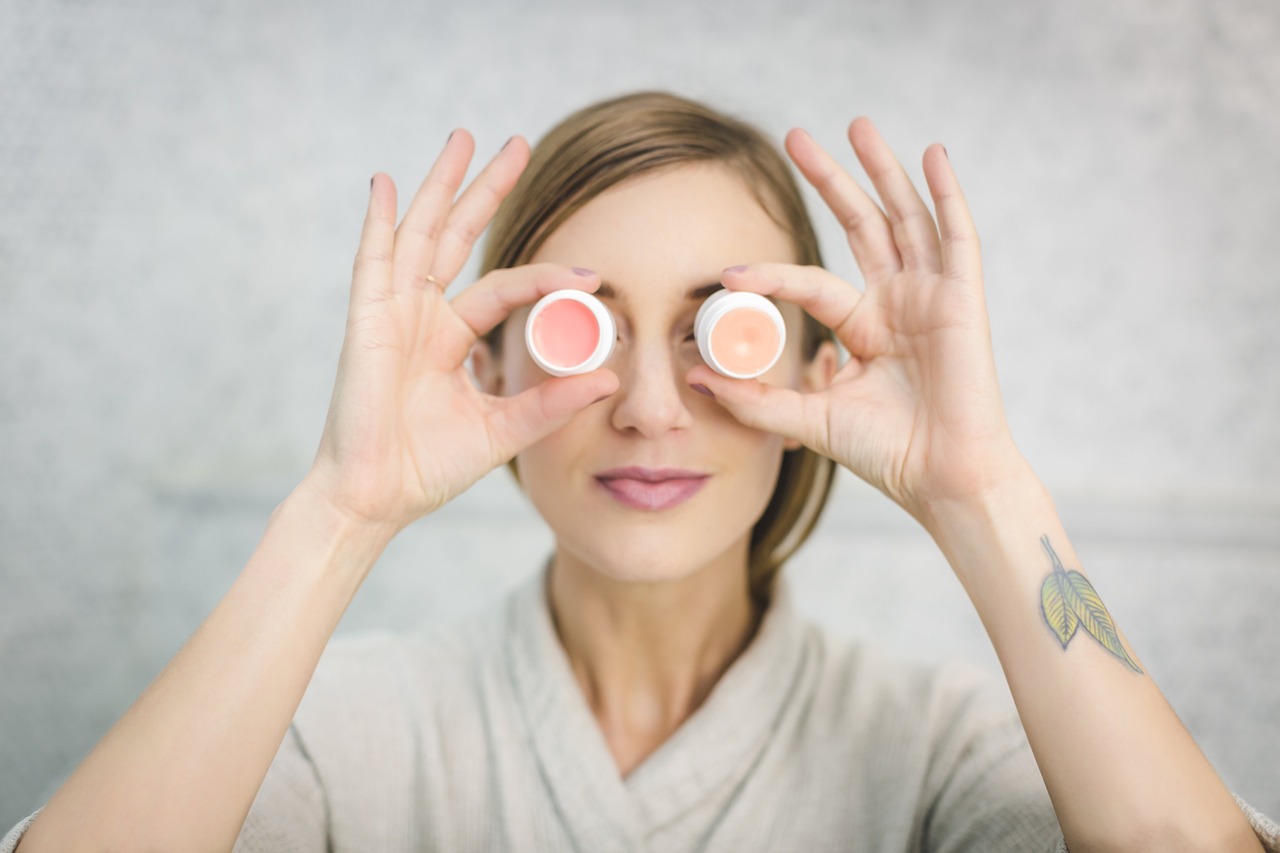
652	495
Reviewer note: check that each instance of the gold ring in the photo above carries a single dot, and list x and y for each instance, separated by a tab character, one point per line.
436	282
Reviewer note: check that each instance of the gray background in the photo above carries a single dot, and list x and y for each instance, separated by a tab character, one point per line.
181	191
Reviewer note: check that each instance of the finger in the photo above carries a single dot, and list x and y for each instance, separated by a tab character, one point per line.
826	297
961	252
477	206
913	229
533	414
783	411
493	297
419	231
865	227
371	273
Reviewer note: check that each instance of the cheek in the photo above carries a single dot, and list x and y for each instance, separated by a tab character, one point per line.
537	466
754	455
755	477
547	463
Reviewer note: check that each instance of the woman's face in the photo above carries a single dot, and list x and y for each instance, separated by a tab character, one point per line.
653	239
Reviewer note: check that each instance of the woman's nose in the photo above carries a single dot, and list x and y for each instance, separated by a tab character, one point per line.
652	392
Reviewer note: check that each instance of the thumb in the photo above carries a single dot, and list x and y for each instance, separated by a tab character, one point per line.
783	411
535	413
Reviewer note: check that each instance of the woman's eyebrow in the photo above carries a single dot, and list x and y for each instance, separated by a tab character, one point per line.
697	292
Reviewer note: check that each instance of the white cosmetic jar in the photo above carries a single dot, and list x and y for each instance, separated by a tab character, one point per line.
739	345
569	332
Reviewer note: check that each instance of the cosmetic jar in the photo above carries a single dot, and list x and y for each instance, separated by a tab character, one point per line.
740	334
569	332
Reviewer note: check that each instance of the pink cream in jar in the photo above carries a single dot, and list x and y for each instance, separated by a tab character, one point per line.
569	332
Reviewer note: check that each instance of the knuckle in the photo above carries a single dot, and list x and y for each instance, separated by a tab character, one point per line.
540	276
371	259
463	232
542	270
852	220
827	176
442	186
427	229
904	216
495	196
814	272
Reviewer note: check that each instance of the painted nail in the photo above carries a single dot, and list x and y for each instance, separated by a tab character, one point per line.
738	268
702	389
581	271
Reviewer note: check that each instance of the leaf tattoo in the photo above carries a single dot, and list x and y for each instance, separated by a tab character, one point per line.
1053	602
1068	601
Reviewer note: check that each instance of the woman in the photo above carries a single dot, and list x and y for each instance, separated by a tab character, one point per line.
652	688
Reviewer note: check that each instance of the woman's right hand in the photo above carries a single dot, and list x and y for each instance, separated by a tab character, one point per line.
407	428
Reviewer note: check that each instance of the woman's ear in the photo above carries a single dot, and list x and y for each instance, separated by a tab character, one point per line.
816	375
485	368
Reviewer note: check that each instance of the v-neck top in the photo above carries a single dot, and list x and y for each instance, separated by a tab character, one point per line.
476	736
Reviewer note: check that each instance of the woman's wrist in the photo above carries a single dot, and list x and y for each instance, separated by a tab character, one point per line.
1004	479
351	543
1012	498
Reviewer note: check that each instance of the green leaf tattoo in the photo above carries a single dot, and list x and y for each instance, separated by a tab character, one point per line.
1068	601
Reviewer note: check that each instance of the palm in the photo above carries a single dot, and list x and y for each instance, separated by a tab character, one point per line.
446	411
908	409
451	432
424	405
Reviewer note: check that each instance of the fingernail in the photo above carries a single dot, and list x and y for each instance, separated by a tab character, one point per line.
508	142
738	268
702	389
450	139
581	271
605	397
371	184
944	151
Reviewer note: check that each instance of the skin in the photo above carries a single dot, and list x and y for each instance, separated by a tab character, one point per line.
653	606
915	411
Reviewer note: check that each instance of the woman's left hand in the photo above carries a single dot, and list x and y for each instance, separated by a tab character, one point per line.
916	409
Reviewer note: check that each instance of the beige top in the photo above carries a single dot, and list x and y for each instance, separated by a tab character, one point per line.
475	736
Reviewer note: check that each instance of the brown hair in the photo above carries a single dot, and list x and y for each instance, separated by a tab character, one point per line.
608	142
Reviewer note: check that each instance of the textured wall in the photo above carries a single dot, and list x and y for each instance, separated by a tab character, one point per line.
181	190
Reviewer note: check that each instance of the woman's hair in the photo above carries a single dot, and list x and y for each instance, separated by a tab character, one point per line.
609	142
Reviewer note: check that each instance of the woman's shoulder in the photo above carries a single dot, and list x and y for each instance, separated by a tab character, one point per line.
862	680
390	713
386	677
924	726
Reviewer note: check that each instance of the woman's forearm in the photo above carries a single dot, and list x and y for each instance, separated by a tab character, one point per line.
1122	771
181	767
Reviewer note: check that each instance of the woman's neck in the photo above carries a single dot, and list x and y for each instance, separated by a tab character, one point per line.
646	655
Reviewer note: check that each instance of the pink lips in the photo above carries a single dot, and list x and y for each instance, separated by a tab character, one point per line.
651	488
